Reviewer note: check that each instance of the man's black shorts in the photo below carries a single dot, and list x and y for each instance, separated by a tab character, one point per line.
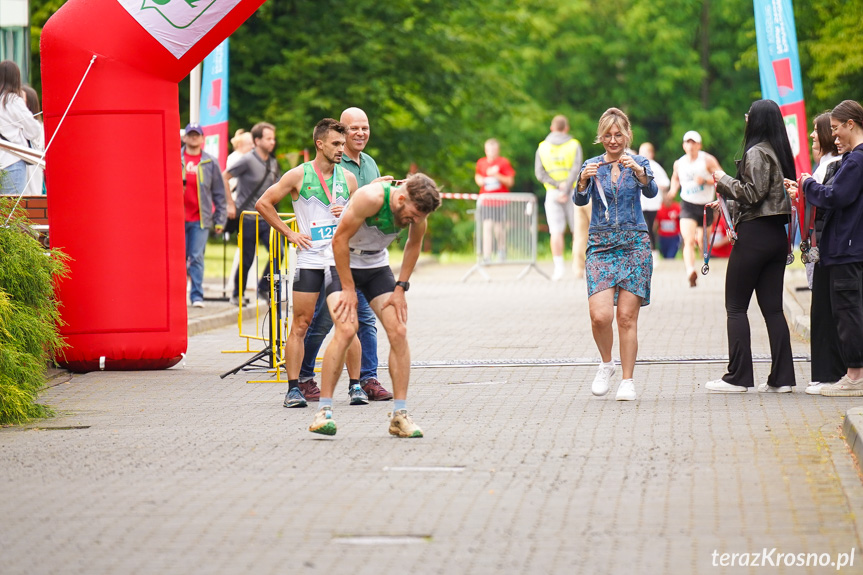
308	281
371	282
695	212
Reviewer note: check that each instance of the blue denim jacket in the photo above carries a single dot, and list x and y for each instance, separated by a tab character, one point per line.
624	206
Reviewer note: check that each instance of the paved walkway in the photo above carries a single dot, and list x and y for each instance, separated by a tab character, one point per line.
522	470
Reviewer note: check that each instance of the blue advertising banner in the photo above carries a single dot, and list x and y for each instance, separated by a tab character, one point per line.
779	69
214	103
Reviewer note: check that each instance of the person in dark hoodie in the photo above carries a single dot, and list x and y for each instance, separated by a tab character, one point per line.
558	161
842	242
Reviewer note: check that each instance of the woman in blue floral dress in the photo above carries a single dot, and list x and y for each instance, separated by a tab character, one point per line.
619	264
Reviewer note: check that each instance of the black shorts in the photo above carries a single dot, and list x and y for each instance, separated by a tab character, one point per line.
695	212
371	282
308	281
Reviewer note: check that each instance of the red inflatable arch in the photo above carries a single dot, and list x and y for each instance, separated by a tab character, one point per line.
115	200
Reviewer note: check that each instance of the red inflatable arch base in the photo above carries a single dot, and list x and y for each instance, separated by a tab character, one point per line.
113	171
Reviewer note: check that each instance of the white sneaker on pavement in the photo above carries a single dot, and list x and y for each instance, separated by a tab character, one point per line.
557	275
815	387
626	391
764	388
603	379
722	386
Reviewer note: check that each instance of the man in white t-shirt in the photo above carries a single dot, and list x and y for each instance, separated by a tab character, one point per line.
693	178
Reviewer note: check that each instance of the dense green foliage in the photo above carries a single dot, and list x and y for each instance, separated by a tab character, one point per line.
438	77
28	317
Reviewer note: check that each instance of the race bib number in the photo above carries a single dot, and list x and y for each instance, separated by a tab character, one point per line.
323	230
491	184
691	189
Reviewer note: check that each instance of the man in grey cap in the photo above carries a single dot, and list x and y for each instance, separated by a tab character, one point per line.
203	189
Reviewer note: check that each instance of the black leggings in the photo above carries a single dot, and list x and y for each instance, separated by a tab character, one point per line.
757	264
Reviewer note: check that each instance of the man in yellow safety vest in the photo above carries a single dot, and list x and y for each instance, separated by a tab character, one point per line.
558	161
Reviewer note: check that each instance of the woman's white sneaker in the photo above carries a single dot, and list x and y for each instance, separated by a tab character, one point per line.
815	387
722	386
764	388
626	391
602	381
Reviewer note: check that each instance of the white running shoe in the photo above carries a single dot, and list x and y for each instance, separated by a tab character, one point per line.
626	391
815	387
722	386
764	388
557	275
603	379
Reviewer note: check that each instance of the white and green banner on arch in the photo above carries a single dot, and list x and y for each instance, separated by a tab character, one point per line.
178	24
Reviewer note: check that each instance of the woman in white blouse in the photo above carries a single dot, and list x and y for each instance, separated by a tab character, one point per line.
17	125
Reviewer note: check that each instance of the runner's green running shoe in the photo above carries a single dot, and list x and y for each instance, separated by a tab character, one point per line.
401	425
323	422
295	398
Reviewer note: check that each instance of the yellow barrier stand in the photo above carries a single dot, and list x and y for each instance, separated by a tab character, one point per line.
280	269
280	264
291	221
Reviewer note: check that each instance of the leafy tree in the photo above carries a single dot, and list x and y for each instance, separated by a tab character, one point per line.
438	77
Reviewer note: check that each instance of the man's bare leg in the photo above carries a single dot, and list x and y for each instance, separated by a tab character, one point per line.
689	231
304	310
345	332
401	424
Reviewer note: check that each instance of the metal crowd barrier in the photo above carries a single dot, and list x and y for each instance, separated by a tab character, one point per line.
281	262
506	232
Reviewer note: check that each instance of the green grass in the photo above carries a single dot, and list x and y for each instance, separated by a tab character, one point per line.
215	261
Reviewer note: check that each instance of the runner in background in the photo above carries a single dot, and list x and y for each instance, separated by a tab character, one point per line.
692	178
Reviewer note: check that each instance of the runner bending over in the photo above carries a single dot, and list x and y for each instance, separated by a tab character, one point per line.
370	222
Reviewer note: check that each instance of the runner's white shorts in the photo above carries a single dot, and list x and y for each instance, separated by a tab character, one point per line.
559	215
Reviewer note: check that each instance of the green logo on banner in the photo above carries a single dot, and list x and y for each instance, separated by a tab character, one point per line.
179	13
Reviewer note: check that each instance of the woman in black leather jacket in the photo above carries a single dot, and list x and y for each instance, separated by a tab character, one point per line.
757	262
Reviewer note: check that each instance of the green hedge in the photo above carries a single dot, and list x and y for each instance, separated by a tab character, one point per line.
29	334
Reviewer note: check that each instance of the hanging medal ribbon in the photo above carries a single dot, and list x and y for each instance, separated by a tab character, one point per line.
601	190
729	225
323	181
707	248
807	234
792	233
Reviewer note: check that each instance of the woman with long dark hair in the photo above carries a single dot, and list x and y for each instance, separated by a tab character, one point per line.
757	263
17	126
842	243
